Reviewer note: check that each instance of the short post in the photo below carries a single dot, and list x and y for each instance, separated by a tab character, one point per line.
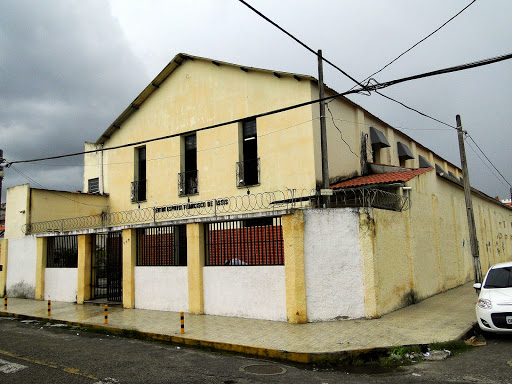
5	303
182	315
106	313
49	308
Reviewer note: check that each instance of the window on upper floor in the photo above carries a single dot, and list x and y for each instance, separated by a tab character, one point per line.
248	168
188	177
138	192
94	185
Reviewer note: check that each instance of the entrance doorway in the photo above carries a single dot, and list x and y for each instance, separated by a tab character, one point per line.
107	267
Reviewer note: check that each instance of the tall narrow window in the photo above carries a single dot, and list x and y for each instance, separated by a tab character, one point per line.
248	167
139	184
187	180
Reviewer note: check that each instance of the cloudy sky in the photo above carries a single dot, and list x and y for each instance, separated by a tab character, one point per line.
68	68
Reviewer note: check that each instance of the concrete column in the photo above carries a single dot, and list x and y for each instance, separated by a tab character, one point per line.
195	264
295	275
84	268
40	267
3	266
129	259
367	244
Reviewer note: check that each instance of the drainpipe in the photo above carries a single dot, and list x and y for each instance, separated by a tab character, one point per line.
100	165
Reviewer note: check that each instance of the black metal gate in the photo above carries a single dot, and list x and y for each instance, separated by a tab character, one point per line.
107	267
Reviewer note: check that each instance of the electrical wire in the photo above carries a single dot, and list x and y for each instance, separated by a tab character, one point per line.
373	87
364	88
487	158
484	163
341	134
300	42
415	110
421	41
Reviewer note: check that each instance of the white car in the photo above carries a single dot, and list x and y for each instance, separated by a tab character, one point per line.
494	306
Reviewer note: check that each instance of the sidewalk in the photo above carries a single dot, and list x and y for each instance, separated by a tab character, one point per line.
444	317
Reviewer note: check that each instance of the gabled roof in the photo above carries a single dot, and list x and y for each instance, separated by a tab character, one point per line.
181	57
166	72
382	178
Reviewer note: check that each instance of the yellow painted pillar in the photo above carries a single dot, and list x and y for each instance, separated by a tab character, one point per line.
367	244
40	266
3	263
129	259
195	264
295	274
84	268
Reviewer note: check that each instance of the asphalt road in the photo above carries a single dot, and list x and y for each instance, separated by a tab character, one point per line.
33	352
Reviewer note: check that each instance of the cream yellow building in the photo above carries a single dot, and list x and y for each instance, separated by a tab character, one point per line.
195	199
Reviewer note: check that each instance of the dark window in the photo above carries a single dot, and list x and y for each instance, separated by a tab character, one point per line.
62	252
94	185
245	242
499	278
162	246
187	180
139	185
249	170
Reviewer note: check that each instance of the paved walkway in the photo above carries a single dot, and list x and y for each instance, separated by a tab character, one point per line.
444	317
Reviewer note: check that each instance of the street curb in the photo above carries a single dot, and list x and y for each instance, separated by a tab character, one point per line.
274	354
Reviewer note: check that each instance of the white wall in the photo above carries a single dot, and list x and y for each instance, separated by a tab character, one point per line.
161	288
334	274
257	292
21	267
60	284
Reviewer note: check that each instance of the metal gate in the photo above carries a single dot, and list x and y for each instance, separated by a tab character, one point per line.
107	267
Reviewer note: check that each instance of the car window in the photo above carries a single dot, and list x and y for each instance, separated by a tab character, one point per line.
499	278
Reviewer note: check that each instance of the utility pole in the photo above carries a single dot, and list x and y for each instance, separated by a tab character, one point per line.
325	191
469	204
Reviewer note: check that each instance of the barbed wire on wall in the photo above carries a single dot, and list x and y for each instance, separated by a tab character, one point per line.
254	202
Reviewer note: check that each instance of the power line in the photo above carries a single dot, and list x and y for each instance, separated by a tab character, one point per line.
421	41
364	88
415	110
339	130
456	68
484	163
373	87
487	158
300	42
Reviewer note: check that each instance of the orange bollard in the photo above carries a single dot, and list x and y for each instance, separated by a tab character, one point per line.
182	315
106	313
49	308
5	303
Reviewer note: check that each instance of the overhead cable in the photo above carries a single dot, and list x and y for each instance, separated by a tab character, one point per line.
487	158
300	42
421	41
365	88
372	87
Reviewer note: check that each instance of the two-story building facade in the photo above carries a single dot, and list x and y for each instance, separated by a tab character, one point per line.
196	199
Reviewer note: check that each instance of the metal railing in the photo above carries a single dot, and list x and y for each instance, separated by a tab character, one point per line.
138	191
62	252
188	183
254	202
247	173
244	242
162	246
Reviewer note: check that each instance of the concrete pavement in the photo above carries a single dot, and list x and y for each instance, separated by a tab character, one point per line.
443	317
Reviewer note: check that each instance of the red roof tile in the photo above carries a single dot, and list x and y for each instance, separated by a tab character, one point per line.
382	178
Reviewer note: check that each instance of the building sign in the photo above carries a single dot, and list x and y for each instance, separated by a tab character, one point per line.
198	205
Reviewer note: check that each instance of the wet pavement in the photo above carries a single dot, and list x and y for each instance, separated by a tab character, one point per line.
443	317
